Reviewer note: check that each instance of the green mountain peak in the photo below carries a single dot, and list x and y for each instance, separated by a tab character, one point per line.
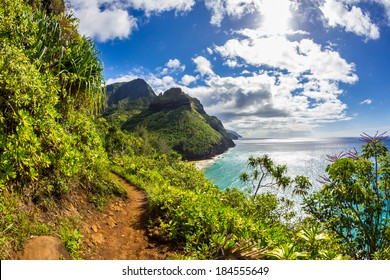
174	116
129	91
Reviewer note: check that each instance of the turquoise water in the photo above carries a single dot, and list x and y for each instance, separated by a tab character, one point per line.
302	157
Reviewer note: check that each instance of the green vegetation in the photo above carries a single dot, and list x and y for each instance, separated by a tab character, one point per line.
70	235
182	122
353	205
50	91
354	202
208	223
265	174
54	146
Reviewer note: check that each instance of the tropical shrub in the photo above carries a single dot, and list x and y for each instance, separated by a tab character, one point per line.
50	92
355	199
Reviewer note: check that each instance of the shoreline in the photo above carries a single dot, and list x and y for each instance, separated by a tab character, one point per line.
206	163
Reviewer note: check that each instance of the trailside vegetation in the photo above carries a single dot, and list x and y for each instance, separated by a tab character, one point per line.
354	201
50	94
206	222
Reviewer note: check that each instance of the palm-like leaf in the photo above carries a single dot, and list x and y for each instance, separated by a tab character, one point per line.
312	234
287	252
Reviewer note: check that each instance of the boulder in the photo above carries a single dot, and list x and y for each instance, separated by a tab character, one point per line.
44	248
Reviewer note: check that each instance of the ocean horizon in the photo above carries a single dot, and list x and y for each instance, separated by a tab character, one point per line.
302	156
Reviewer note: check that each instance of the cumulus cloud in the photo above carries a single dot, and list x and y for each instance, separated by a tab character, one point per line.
203	66
105	20
175	64
188	79
303	57
350	17
122	78
103	24
295	88
172	66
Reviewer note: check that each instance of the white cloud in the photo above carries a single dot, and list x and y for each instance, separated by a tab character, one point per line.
158	82
203	66
295	89
102	25
175	64
351	18
264	103
188	79
302	57
367	102
171	67
122	79
232	8
105	20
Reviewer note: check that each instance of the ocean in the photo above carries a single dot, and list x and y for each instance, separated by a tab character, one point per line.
303	156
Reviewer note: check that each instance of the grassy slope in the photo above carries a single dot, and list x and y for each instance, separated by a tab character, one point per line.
183	129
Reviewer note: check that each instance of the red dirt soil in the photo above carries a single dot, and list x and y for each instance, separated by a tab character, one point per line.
119	232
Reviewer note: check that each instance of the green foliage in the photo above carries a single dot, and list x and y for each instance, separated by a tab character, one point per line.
71	236
181	121
50	89
287	252
355	199
265	174
185	131
208	222
16	225
50	81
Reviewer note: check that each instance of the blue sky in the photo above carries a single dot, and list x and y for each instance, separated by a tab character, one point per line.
266	68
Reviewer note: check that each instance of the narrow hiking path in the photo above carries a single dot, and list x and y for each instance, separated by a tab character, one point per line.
119	232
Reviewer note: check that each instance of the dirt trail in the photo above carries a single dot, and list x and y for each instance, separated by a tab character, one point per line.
119	232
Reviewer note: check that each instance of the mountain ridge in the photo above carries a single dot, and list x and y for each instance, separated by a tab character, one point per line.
130	91
176	117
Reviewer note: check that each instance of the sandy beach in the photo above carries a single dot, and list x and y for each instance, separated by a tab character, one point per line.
205	163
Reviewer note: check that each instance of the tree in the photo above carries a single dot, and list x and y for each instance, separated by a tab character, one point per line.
354	201
265	174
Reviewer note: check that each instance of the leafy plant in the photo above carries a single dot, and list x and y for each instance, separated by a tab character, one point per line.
265	174
71	237
287	252
355	199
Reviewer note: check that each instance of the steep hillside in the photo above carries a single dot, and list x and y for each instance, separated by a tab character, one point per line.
51	148
129	91
183	123
125	100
